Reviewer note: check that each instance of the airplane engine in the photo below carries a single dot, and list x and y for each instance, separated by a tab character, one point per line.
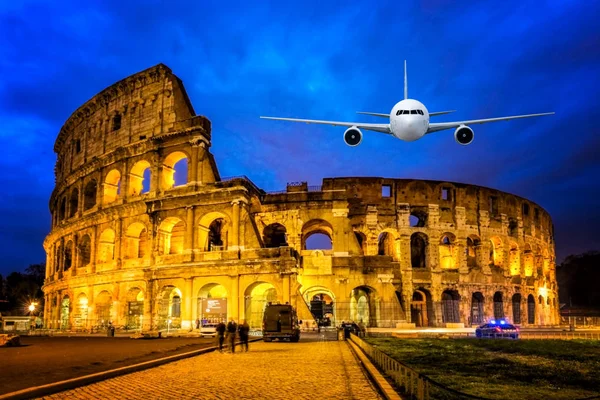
464	135
353	136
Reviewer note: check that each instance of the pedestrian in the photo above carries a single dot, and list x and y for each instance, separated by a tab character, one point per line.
244	331
231	333
361	327
197	323
221	335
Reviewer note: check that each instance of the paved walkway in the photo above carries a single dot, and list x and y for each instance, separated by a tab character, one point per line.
310	369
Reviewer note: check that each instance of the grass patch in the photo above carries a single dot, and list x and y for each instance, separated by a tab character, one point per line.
503	369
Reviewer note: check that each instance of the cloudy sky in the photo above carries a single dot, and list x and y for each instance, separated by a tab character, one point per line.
321	60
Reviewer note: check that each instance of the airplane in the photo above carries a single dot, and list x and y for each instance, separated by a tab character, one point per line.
408	121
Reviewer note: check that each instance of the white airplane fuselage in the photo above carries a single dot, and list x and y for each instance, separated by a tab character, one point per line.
409	126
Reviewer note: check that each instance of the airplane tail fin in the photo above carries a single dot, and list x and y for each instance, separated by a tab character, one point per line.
405	82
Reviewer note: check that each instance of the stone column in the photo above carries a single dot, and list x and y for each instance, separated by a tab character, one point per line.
235	229
193	167
235	297
188	242
186	321
147	324
286	288
118	242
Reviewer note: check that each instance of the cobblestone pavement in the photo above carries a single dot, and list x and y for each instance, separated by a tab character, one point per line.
279	370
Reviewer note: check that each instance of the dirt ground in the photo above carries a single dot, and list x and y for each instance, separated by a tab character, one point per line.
43	360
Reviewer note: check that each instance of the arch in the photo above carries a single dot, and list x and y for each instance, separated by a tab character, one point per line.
450	306
516	308
139	178
322	304
417	219
528	259
68	255
275	235
136	240
135	308
361	239
212	303
386	244
514	259
175	170
171	233
421	308
169	308
496	252
447	251
317	226
473	251
106	246
85	250
364	305
530	309
80	314
103	306
419	250
217	239
256	297
90	192
498	306
62	210
477	308
74	203
112	186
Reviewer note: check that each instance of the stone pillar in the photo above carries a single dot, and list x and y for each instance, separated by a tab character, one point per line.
193	167
118	242
340	229
235	229
286	288
189	230
235	297
147	324
186	321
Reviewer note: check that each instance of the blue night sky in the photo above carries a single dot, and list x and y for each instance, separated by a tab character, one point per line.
321	60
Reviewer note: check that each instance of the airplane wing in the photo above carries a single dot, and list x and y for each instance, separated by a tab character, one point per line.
433	114
435	127
383	128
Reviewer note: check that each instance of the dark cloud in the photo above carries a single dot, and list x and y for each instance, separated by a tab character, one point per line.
318	60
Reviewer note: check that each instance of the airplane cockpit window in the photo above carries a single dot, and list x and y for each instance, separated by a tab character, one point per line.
398	112
413	112
406	112
420	112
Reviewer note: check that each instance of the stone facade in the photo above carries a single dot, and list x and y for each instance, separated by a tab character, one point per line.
146	234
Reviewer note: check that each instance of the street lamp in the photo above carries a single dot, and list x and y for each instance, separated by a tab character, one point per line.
32	307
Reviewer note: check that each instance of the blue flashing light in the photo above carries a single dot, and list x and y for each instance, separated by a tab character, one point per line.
493	321
502	322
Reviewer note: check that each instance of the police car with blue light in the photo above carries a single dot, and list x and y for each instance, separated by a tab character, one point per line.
497	329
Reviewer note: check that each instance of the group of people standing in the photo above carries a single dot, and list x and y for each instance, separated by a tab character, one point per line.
230	332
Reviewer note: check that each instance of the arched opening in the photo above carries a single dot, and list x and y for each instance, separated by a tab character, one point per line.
212	304
477	313
514	259
139	178
89	194
136	237
74	203
85	250
362	241
418	250
62	211
450	306
447	251
317	234
495	258
417	219
170	236
528	260
65	310
516	307
498	306
80	315
256	297
68	255
106	246
135	308
112	186
274	235
421	308
363	306
386	244
473	247
103	305
322	309
217	235
175	170
169	308
530	310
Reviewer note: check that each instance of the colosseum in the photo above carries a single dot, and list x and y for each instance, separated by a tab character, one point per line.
146	234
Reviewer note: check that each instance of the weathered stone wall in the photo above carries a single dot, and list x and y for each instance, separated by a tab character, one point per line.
132	245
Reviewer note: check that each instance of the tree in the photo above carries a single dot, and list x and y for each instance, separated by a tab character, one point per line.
21	289
578	278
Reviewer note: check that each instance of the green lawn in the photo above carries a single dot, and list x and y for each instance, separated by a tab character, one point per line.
503	369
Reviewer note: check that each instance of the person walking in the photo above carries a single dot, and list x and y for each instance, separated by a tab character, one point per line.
244	331
221	335
231	333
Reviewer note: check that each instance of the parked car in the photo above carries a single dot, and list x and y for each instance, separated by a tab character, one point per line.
497	329
280	321
208	330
